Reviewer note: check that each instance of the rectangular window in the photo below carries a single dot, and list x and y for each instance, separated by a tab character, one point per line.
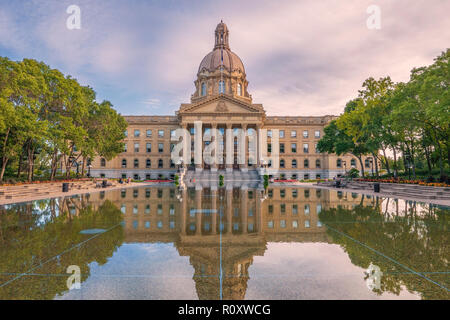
270	224
281	147
160	133
317	150
305	133
137	133
269	133
160	147
148	133
317	134
305	148
136	147
270	207
293	134
281	133
293	147
283	223
125	147
282	208
294	209
269	147
149	147
126	133
294	224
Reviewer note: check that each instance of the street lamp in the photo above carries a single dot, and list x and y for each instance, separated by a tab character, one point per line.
345	166
89	170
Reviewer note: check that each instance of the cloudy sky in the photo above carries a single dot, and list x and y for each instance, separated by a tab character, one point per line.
302	57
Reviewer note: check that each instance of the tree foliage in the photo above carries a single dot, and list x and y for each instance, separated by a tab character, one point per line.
409	120
51	116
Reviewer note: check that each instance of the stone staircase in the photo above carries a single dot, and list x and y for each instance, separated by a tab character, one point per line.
235	178
398	189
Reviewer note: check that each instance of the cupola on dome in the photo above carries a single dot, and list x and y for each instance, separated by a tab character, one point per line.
213	60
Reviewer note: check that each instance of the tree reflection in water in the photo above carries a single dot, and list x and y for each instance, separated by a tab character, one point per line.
415	236
221	230
44	236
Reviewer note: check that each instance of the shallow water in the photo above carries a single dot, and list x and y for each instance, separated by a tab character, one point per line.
166	243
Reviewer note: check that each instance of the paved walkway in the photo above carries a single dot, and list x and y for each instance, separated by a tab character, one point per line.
30	192
363	191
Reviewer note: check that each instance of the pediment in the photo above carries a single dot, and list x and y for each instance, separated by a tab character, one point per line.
221	105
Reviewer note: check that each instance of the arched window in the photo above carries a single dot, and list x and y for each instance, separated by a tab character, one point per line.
306	163
203	89
353	163
124	163
102	162
339	163
318	163
367	163
221	86
160	163
148	163
239	89
294	163
136	163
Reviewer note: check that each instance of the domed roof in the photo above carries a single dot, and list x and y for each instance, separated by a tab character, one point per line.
213	60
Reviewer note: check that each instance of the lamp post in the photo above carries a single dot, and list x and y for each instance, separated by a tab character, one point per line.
371	165
345	166
89	170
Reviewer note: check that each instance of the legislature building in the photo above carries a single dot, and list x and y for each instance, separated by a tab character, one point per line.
221	101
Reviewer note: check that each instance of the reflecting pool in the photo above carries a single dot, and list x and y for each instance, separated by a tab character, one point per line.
162	242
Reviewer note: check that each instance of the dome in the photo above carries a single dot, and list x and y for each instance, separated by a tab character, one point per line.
212	60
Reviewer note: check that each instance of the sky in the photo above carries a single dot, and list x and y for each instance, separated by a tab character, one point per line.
302	57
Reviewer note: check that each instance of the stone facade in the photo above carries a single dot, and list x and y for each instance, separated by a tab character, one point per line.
221	101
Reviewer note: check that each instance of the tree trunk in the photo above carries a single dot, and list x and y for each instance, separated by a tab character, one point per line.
395	163
30	161
4	162
362	167
375	162
413	161
427	156
20	164
54	165
82	167
386	162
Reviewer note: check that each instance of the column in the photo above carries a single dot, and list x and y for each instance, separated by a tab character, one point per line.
215	134
198	149
244	208
229	150
258	146
183	210
214	209
186	146
198	209
258	213
243	148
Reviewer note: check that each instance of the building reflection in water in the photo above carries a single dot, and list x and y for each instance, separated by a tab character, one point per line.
221	230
